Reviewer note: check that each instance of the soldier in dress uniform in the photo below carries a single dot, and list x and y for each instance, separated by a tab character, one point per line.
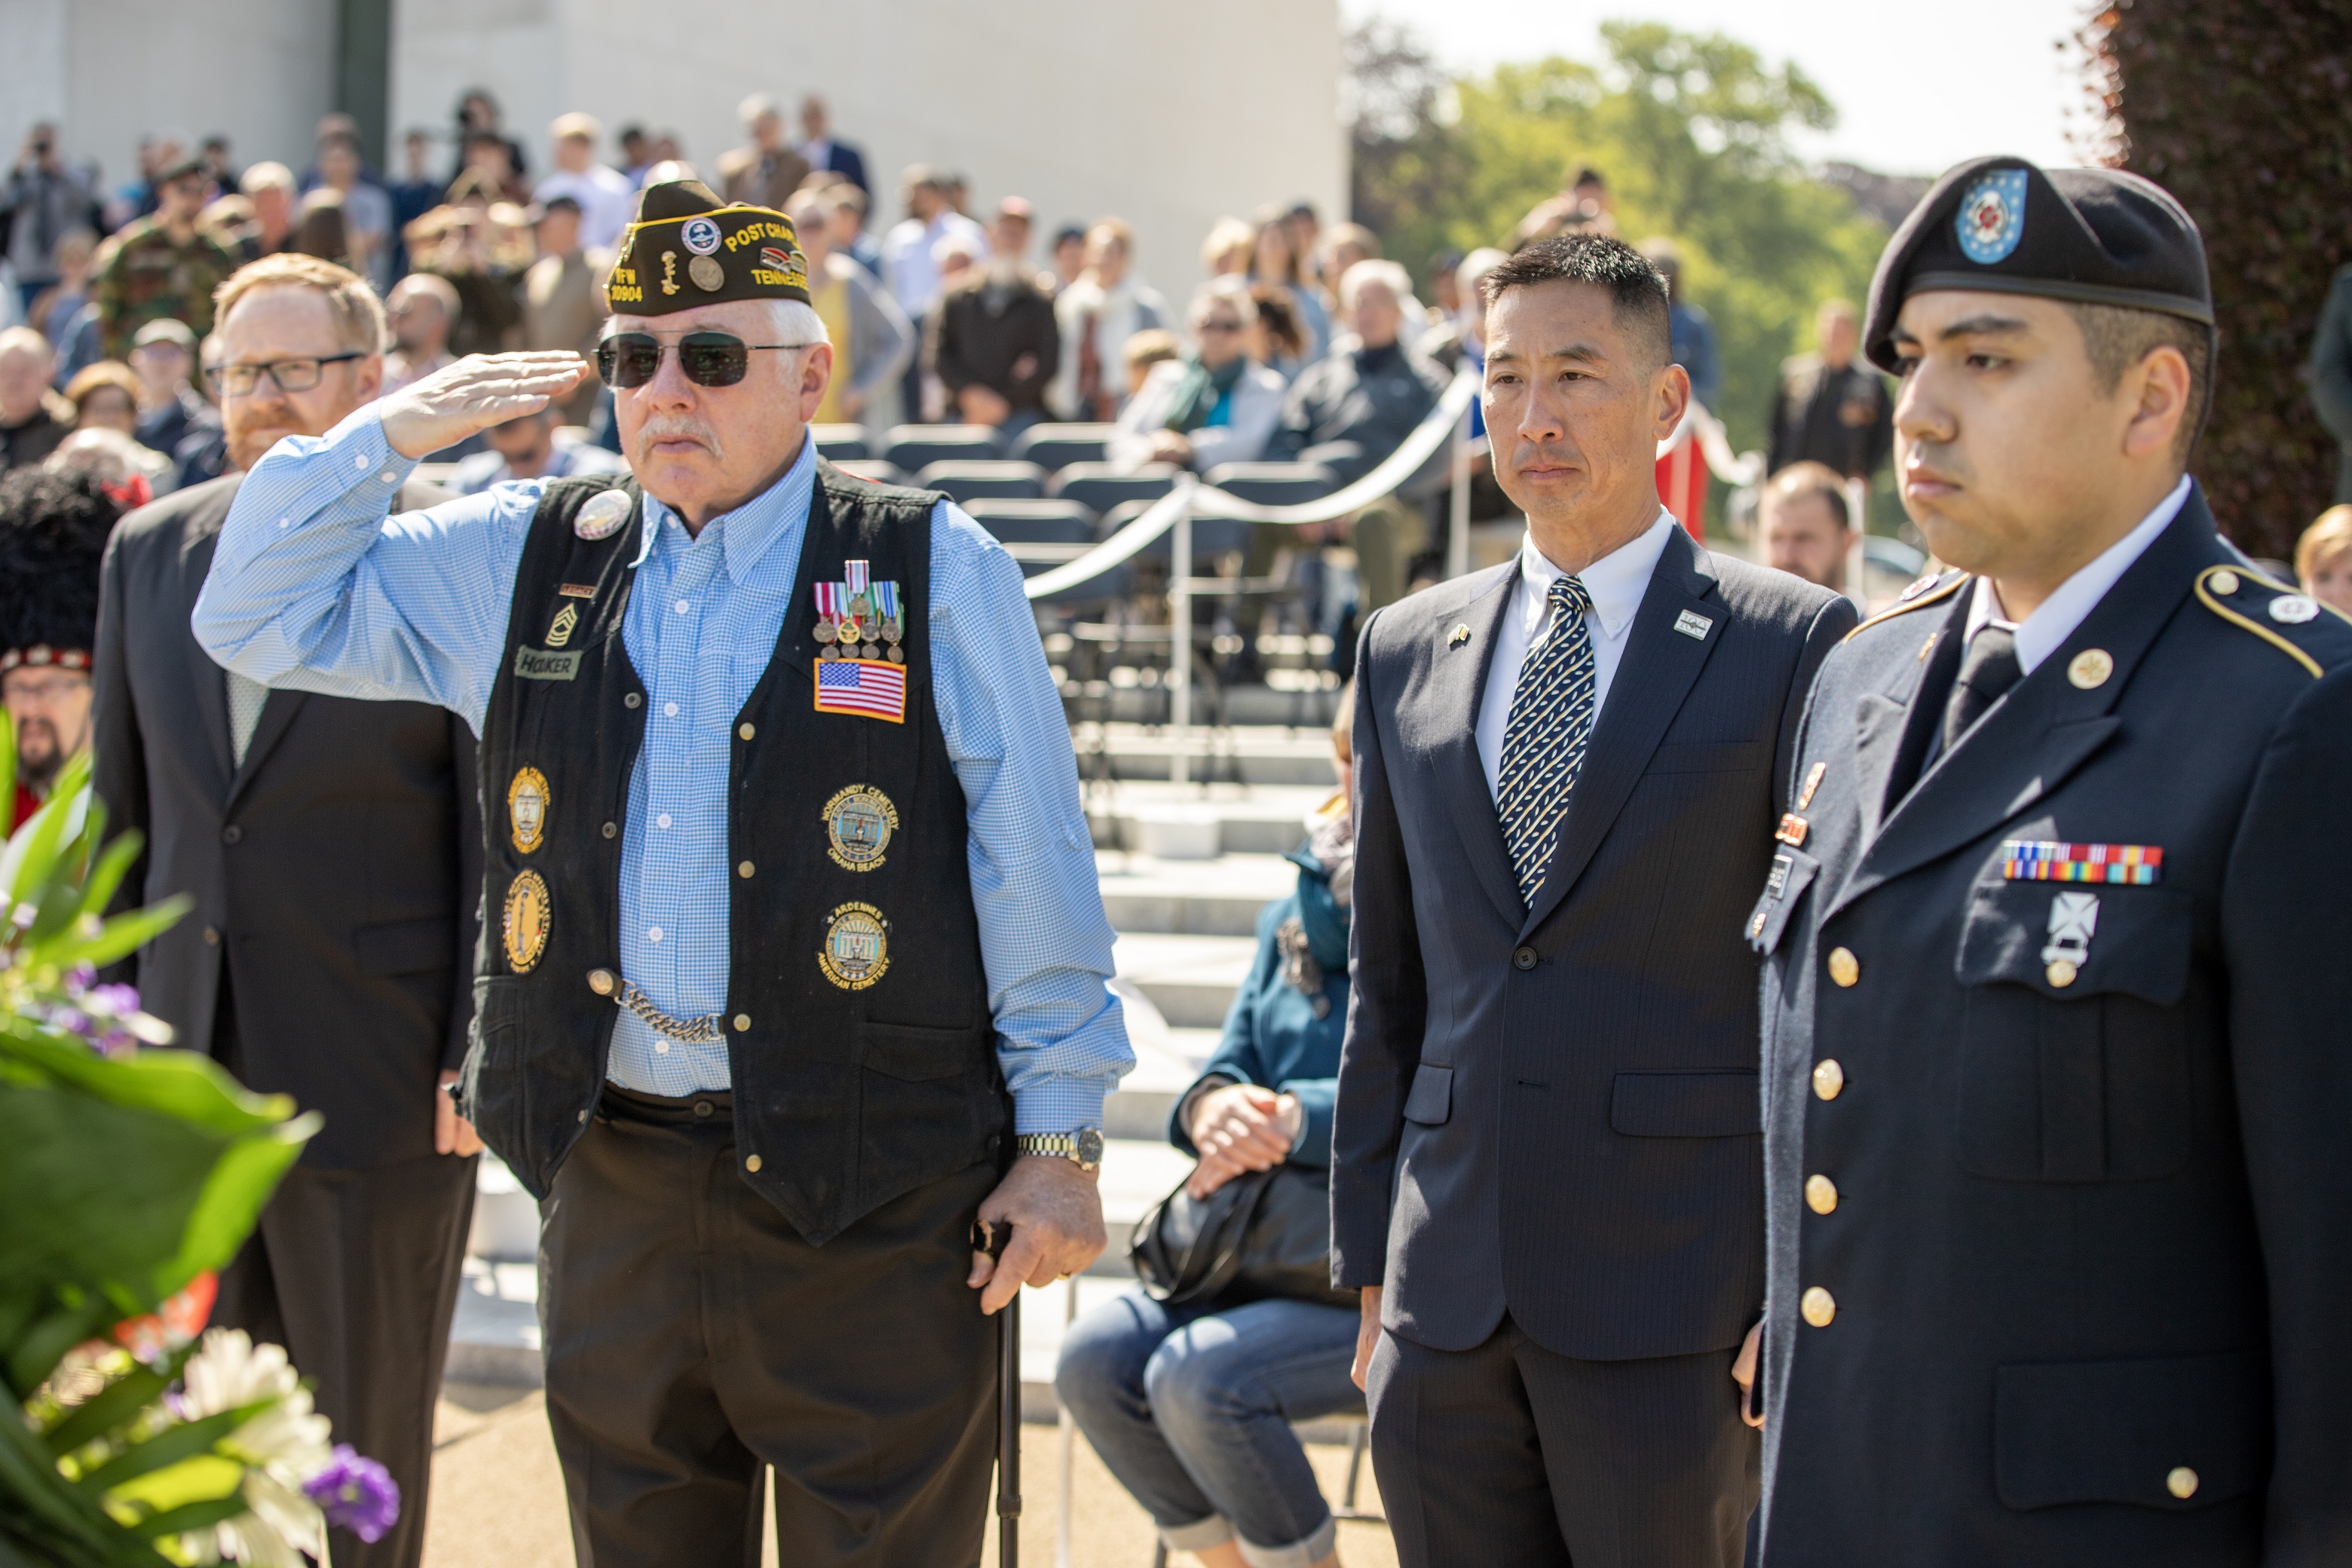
2055	1053
795	961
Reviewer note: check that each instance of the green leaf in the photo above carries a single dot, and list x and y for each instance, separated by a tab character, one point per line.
191	1516
120	938
199	1477
117	1405
170	1447
112	865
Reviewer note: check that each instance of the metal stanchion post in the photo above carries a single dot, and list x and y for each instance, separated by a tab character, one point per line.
1069	1441
1180	645
1457	534
1008	1435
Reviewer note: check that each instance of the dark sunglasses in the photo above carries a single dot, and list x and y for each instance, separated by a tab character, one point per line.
708	359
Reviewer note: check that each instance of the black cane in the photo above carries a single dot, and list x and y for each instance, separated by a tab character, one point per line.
993	1241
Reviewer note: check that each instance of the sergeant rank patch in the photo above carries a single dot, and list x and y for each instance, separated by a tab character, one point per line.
856	949
2048	860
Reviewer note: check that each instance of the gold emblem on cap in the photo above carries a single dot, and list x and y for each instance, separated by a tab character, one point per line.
559	630
2089	670
858	822
857	950
527	804
528	915
670	271
708	275
2224	581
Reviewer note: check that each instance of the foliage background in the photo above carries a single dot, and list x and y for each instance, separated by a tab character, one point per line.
2242	109
1690	132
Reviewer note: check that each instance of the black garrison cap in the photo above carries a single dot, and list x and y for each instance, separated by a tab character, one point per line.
2095	237
688	249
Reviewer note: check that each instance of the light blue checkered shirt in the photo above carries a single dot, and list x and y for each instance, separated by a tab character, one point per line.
312	586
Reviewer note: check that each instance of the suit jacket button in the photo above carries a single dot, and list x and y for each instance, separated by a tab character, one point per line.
2181	1482
1845	968
752	1164
232	834
1524	958
1821	1194
1818	1307
212	936
1829	1078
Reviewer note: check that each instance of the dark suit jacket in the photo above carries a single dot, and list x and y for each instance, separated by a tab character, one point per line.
335	874
1553	1112
846	161
764	180
2092	1226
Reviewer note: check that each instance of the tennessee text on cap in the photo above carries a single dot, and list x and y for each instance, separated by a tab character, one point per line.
2095	236
686	250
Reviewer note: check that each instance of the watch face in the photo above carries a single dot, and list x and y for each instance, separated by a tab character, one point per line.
1089	1141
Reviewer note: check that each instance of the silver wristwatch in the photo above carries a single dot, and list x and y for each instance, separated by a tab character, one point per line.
1082	1147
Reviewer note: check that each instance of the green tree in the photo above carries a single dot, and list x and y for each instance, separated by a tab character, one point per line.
1691	132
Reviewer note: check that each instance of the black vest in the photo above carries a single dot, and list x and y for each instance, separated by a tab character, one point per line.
858	1038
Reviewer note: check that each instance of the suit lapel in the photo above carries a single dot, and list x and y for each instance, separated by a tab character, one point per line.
1656	672
277	711
1457	688
209	680
2033	738
1894	725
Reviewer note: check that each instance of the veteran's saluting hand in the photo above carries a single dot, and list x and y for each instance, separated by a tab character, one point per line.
469	397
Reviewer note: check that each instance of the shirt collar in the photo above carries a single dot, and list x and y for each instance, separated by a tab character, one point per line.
747	534
1616	582
2045	631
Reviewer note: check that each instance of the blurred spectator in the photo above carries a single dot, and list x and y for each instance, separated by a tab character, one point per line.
2323	559
169	407
1444	295
80	348
1226	252
908	268
1146	351
959	193
1275	261
1215	407
214	155
1693	340
52	312
767	171
563	298
127	471
2331	376
1470	328
473	245
1344	245
420	313
606	199
1068	260
1192	1407
161	268
106	399
1009	230
322	230
269	186
637	154
417	192
480	122
227	220
847	233
1586	204
158	151
202	453
821	151
488	166
993	344
1349	411
1108	305
871	339
1803	524
33	417
45	200
1278	339
1304	229
1830	408
367	211
525	447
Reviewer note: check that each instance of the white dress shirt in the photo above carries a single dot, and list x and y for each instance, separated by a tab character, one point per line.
1616	583
2045	631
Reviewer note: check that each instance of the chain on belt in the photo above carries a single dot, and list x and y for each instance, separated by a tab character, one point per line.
702	1031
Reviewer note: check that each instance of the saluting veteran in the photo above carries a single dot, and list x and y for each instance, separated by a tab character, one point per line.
2056	1064
794	932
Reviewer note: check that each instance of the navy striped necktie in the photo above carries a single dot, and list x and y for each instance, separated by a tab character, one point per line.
1544	742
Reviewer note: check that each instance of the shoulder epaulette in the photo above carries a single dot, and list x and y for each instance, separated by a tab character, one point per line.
2287	606
1928	590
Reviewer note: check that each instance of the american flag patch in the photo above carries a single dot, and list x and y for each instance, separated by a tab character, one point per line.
870	688
2048	860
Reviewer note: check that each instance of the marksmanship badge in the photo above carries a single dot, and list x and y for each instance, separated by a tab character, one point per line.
527	801
527	917
858	822
1991	218
856	947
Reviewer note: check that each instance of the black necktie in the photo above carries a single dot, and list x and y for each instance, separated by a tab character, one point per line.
1988	669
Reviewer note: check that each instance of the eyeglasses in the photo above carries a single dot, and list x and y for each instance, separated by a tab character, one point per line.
708	359
290	374
1220	324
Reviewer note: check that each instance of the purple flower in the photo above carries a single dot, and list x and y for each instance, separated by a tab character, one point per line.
72	1021
79	978
355	1493
115	1000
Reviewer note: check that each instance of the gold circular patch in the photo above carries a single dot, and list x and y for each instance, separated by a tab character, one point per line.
856	947
858	822
708	275
2089	670
527	803
528	914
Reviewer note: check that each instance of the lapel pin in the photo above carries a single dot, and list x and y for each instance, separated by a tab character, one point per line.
2090	669
1814	777
1458	635
2293	609
1692	625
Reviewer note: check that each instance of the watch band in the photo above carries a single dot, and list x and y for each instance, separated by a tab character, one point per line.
1082	1147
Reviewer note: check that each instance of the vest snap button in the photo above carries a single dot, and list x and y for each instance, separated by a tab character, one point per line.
632	701
742	1023
611	828
744	870
752	1164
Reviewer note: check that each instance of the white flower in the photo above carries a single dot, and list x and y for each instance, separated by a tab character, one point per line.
285	1446
229	1369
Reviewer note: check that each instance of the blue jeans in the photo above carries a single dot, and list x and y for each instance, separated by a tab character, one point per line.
1192	1411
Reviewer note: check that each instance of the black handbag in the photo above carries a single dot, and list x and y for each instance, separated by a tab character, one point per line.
1265	1235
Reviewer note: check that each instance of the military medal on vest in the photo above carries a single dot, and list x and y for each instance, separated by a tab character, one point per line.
861	668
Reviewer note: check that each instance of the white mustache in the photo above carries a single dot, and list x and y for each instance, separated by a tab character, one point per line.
674	429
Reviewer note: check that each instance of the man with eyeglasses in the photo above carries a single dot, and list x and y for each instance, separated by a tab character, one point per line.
332	849
798	962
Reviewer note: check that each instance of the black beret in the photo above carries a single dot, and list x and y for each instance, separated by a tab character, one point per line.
53	530
2097	236
688	249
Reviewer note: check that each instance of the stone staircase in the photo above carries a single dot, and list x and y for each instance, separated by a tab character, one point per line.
1185	871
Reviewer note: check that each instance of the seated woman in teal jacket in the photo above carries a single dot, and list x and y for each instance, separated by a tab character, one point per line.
1190	1407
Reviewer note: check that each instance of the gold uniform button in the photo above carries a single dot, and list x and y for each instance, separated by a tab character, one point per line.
752	1164
2061	973
1829	1078
745	731
2224	583
2089	670
2181	1482
742	1023
603	982
743	868
1821	1194
1818	1305
1845	968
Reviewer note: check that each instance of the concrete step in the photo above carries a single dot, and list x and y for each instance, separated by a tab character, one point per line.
1153	817
1297	699
1190	979
1142	893
1246	754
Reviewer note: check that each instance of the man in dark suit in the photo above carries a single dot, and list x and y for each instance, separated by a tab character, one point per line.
1546	1175
2060	1198
823	153
333	849
766	172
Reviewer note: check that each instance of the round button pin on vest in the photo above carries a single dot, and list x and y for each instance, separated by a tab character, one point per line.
2181	1482
1829	1078
2090	669
601	515
1821	1194
2293	609
2224	581
1845	968
1818	1307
